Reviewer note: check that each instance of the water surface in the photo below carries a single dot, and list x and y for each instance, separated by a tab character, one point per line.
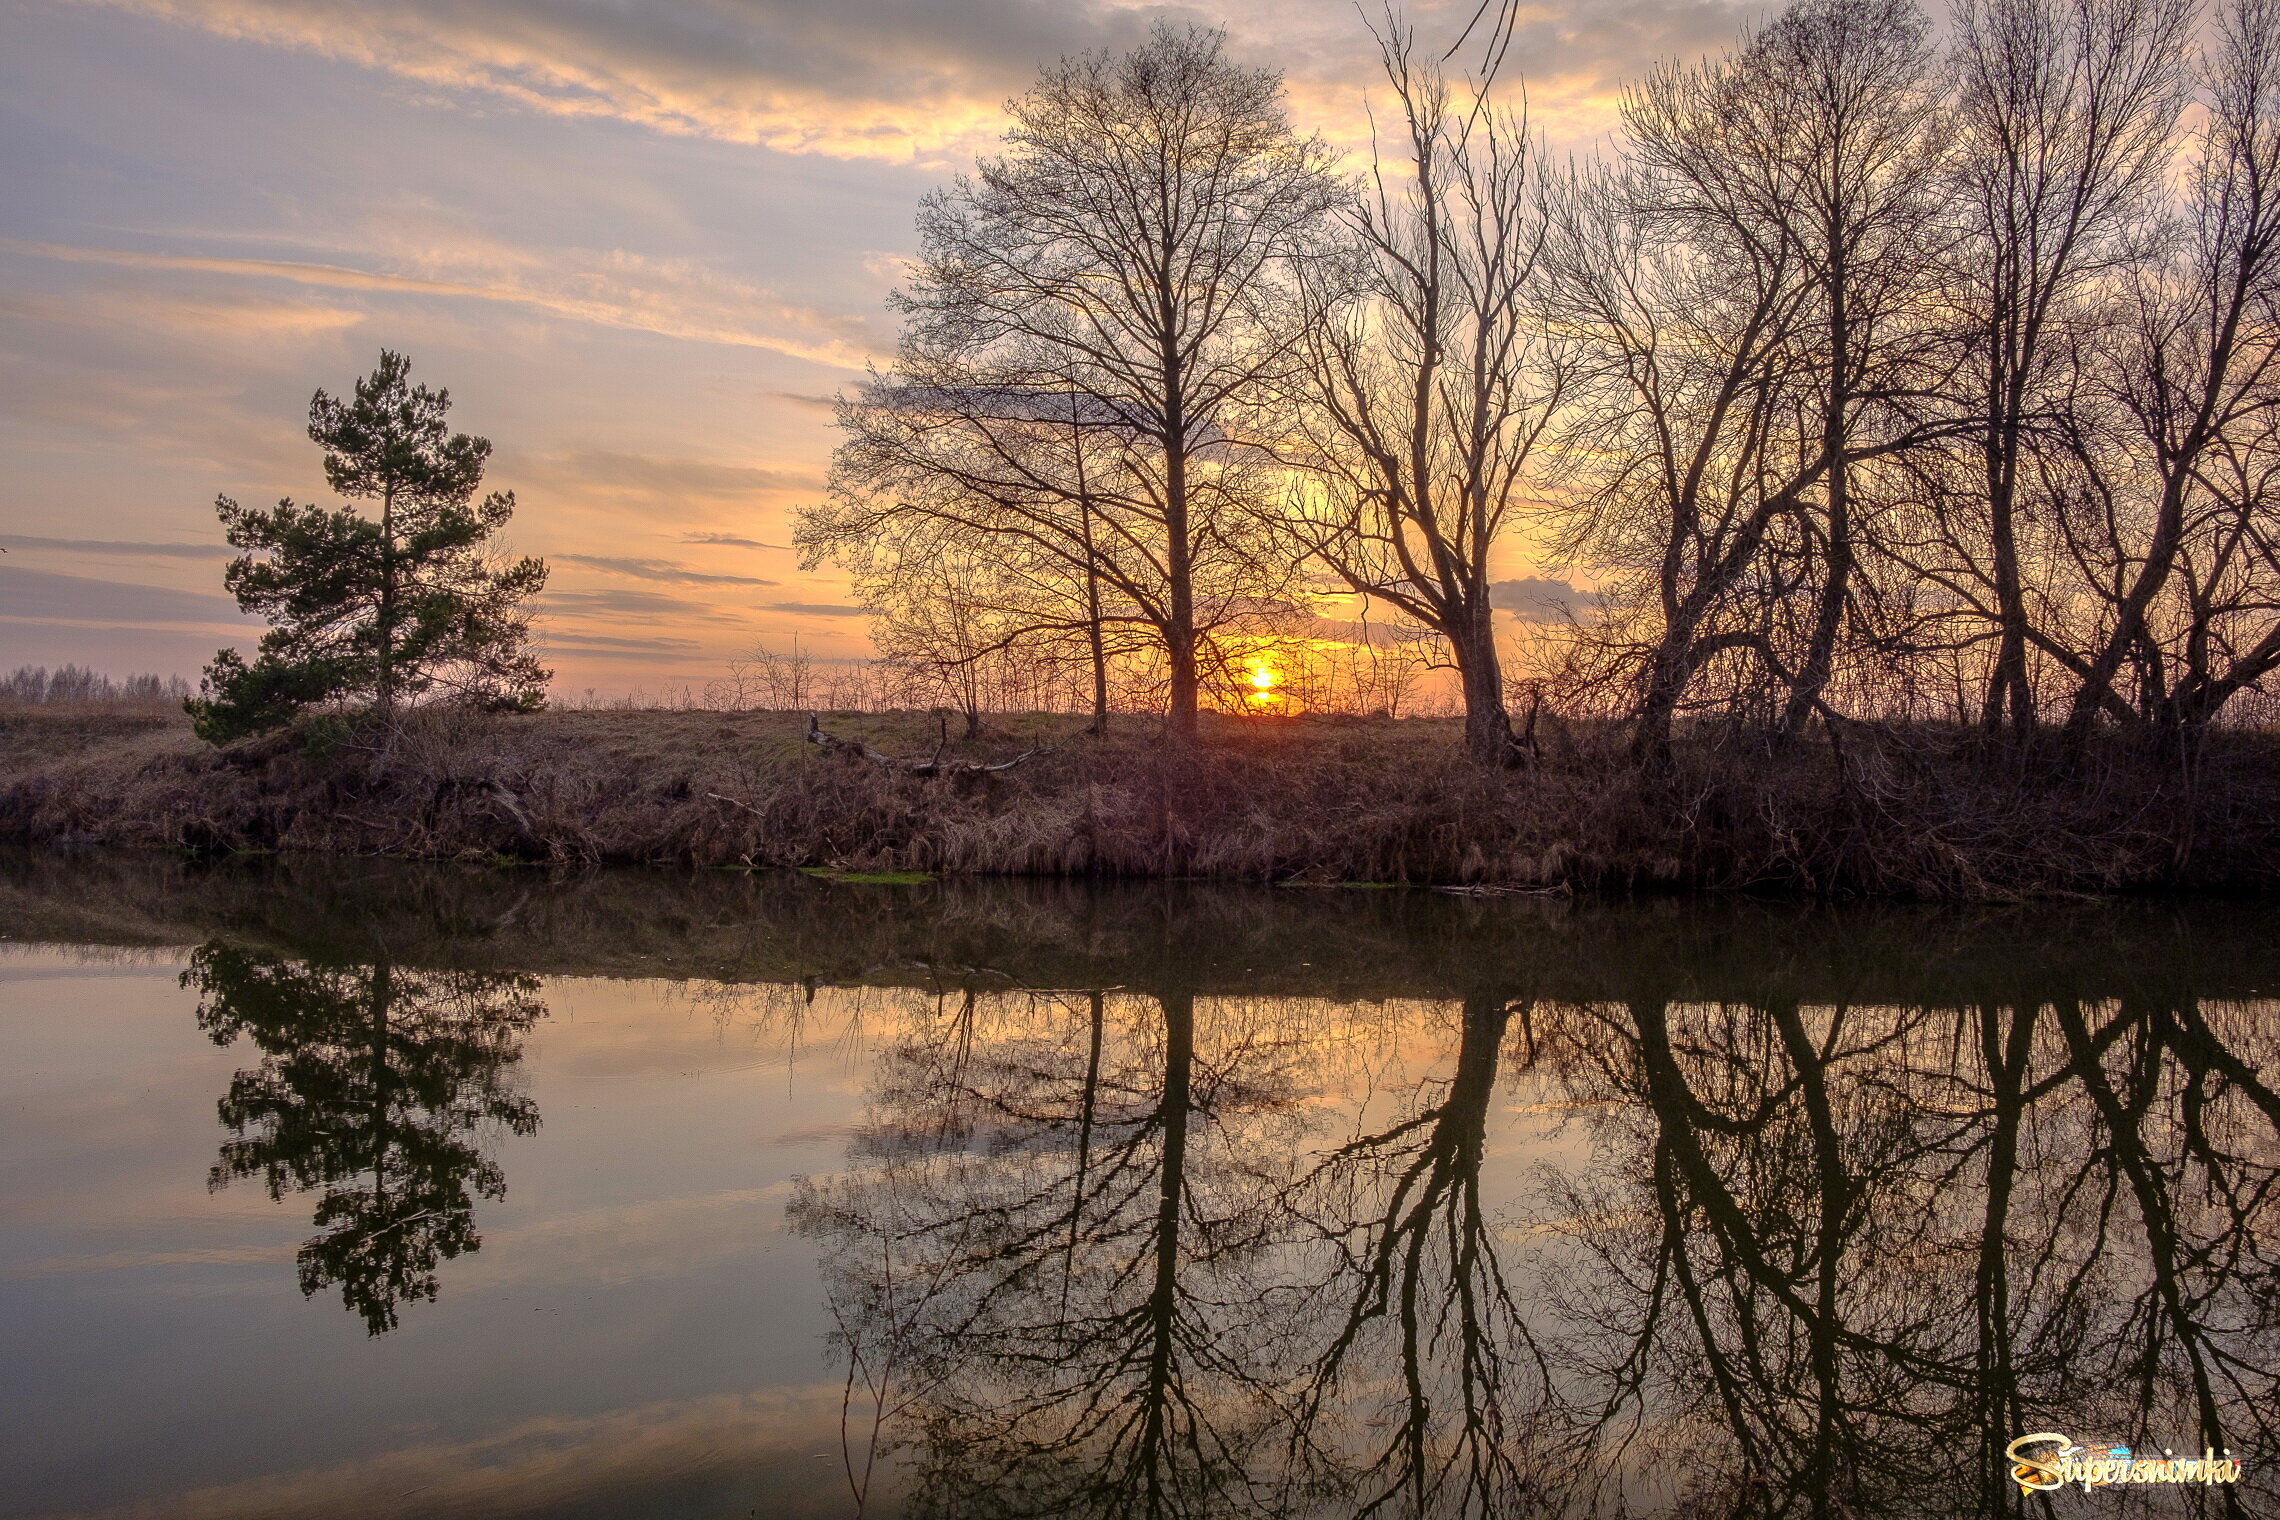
355	1189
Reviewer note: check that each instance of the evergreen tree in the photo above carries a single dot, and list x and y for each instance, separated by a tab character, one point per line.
384	609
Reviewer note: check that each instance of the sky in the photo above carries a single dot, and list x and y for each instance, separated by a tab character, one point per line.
642	243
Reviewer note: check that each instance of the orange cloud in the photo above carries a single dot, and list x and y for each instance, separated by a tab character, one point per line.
671	298
882	79
911	80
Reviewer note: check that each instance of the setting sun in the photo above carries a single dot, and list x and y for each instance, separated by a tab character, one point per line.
1263	683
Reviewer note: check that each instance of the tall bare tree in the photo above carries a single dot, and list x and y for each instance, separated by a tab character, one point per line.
1845	108
1130	257
1743	293
2065	117
2186	593
1426	397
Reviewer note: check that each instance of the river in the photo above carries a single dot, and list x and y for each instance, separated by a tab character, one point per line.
353	1188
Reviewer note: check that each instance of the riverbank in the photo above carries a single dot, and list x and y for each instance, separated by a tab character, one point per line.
1923	813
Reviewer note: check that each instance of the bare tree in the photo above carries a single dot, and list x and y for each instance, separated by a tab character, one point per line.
1426	397
2065	116
1843	104
2184	581
1739	293
1127	263
1025	502
978	628
1860	387
765	678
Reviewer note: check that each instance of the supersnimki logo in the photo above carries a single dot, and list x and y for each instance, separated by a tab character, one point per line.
2109	1466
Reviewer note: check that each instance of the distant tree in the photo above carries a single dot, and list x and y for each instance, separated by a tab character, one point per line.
765	679
76	683
384	609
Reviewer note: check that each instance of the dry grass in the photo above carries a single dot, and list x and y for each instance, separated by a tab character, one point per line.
1921	813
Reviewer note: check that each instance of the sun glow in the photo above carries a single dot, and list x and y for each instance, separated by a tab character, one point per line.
1263	683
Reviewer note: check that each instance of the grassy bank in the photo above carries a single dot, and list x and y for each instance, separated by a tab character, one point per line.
1922	813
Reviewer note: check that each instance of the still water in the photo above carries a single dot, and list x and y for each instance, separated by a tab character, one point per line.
352	1189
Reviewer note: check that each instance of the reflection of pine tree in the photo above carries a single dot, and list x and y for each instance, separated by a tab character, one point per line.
376	1084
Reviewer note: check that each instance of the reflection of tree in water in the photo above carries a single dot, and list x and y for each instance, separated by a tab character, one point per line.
1811	1260
1833	1260
377	1084
1053	1284
1426	1393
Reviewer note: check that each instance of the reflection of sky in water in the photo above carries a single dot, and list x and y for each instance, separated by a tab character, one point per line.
636	1315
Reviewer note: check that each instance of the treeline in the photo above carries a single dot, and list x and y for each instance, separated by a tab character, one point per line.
1870	374
36	684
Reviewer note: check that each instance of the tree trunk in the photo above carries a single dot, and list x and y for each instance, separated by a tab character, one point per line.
1658	704
2009	700
1829	617
2097	688
383	995
384	674
1179	635
1828	622
1488	727
1157	1434
1093	634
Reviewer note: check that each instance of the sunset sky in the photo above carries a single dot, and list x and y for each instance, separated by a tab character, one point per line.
641	241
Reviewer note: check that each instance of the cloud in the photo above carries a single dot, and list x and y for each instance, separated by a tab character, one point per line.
679	478
641	604
820	609
124	547
659	570
45	595
729	541
1377	634
594	643
673	298
1533	599
594	646
912	80
886	79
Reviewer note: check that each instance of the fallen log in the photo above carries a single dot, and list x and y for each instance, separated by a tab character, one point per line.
932	765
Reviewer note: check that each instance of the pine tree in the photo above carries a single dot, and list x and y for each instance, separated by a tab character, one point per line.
382	610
